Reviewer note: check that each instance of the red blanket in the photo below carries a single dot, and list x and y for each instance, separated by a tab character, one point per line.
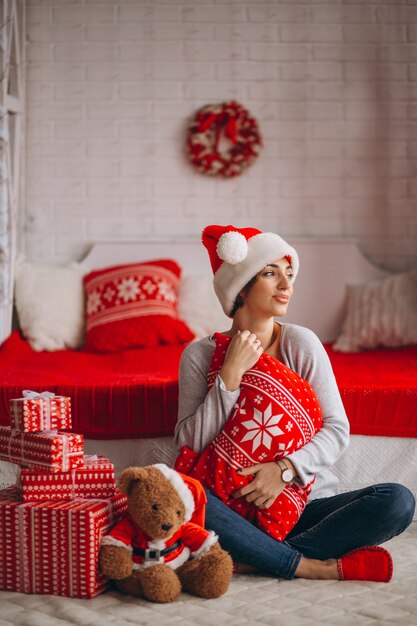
134	393
379	390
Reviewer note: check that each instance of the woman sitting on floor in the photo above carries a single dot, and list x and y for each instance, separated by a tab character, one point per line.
328	536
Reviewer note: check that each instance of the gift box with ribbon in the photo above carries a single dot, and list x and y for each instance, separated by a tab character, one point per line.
40	411
53	451
53	547
93	479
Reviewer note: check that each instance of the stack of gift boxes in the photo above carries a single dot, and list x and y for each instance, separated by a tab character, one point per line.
53	519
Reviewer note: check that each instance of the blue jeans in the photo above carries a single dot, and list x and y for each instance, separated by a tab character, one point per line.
328	528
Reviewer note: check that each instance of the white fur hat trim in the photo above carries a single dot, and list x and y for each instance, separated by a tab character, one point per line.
180	486
232	247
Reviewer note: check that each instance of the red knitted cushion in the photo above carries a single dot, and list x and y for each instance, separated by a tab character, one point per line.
133	306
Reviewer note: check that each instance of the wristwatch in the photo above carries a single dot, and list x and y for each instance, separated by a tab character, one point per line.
287	474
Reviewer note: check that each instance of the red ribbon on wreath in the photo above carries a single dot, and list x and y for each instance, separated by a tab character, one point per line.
204	136
219	119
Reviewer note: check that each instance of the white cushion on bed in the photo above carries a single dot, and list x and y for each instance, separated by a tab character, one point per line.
199	307
380	313
50	305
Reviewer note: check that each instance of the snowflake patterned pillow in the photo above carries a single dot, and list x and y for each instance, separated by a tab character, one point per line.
133	306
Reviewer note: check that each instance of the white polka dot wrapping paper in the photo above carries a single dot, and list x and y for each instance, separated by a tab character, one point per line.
35	412
95	478
55	451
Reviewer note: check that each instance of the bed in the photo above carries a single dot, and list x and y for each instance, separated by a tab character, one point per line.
125	403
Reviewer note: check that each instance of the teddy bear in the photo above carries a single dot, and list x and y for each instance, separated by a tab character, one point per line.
160	547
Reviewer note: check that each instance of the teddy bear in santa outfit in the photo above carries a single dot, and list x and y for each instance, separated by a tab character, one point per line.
161	546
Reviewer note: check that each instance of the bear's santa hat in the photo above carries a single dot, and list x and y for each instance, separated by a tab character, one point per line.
191	492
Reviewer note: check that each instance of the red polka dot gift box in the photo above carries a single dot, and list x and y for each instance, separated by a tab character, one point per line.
93	479
35	412
53	547
54	451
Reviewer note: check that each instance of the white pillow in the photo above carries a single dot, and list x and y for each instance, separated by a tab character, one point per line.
50	305
199	307
380	313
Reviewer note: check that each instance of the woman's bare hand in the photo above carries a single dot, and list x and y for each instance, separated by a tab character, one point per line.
243	352
265	487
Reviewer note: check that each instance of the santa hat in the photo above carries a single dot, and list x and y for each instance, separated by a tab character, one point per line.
189	490
238	254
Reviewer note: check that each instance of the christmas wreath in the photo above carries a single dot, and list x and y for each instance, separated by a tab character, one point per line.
205	132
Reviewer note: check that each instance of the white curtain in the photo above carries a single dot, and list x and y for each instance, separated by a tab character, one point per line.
5	294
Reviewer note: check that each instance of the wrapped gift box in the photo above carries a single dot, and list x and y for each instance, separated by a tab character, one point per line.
40	411
53	547
53	451
93	479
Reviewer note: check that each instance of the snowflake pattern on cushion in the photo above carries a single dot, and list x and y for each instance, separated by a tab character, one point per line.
277	412
135	305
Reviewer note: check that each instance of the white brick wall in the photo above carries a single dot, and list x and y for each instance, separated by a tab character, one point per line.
111	84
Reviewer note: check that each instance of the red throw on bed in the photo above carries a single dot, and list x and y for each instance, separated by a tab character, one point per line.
379	390
134	393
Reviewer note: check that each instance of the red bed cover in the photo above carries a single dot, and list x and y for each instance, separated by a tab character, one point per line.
379	390
134	393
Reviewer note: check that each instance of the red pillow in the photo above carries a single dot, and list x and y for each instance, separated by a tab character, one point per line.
133	306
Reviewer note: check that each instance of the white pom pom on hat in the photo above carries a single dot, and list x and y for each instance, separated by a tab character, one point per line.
232	247
238	254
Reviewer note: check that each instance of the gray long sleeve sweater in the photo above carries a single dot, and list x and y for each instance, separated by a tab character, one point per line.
203	414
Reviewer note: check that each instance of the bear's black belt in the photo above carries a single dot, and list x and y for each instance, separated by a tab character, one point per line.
154	555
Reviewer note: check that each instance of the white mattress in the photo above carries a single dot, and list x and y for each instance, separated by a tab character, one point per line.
378	460
368	460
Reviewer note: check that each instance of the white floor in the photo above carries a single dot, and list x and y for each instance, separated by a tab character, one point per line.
251	600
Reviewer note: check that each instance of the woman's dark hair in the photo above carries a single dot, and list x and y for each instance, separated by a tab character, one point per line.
240	298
